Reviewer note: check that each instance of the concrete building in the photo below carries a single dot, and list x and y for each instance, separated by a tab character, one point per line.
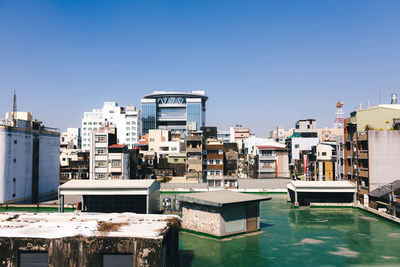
29	159
127	120
250	144
273	161
118	162
71	239
138	196
74	164
173	111
214	158
308	125
221	213
101	139
194	156
71	138
280	134
238	133
325	161
163	142
357	160
301	142
378	157
303	193
224	136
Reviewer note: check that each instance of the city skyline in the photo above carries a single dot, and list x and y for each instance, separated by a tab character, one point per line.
262	64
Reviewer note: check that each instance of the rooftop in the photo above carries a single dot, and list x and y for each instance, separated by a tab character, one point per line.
103	184
58	225
322	186
220	198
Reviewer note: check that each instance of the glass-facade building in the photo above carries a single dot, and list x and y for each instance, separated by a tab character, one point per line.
175	111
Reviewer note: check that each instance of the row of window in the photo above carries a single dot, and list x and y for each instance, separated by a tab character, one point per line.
211	161
214	173
100	123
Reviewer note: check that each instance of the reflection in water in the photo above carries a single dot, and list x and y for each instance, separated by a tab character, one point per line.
301	236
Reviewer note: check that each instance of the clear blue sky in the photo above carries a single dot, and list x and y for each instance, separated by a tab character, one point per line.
262	63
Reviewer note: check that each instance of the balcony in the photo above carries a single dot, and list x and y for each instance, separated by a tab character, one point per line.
363	137
215	167
215	156
363	172
194	150
363	154
267	157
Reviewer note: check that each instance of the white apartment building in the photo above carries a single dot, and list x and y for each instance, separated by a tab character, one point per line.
71	138
127	120
29	159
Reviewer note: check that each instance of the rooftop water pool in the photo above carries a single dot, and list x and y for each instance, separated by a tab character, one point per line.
306	236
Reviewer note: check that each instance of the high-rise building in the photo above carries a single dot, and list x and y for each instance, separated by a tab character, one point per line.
29	159
125	119
174	111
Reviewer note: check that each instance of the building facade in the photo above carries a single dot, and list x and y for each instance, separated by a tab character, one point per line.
71	138
194	156
29	159
273	161
173	111
125	119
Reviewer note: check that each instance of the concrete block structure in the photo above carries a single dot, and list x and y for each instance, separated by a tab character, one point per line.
82	239
302	193
139	196
29	159
221	213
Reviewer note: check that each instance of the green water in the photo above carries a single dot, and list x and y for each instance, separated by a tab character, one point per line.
300	237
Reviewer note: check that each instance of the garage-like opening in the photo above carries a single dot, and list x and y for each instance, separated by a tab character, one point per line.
115	203
33	259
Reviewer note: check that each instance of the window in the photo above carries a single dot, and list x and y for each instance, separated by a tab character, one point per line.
266	152
128	139
100	151
33	259
128	128
128	123
14	180
94	123
101	138
176	160
217	161
296	146
100	176
133	128
323	153
15	160
15	141
173	148
90	128
84	129
121	260
63	159
100	163
128	134
84	123
89	123
116	163
151	139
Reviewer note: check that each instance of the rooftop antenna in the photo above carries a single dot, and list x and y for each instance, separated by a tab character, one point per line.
14	109
380	95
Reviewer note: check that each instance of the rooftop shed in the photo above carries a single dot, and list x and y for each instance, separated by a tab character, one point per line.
138	196
221	213
306	192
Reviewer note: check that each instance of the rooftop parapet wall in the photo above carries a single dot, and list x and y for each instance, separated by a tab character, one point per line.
151	240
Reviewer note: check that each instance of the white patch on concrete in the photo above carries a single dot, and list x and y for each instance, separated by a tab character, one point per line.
345	252
58	225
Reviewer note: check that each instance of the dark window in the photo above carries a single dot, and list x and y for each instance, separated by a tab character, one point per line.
120	260
323	153
14	180
15	141
15	160
35	259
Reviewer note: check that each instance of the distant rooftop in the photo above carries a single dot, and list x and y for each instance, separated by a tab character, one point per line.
192	94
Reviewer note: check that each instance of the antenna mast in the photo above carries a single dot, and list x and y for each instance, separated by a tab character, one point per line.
14	110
